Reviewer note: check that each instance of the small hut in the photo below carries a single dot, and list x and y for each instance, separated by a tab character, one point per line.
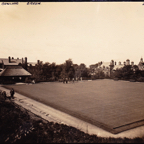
13	74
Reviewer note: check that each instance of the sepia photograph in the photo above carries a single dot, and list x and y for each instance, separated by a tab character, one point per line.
72	72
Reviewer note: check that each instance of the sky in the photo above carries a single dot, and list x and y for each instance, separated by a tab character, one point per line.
86	32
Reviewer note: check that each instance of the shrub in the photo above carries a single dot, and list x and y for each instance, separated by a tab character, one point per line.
8	82
132	80
141	79
52	79
60	80
116	79
86	78
27	80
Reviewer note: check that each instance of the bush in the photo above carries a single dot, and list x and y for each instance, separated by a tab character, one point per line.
60	80
27	80
132	80
141	79
8	82
107	77
116	79
101	77
94	77
86	78
51	79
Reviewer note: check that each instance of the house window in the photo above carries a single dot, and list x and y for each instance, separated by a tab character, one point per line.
12	77
20	78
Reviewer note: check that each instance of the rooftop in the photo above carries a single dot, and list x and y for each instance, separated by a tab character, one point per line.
118	66
14	71
106	64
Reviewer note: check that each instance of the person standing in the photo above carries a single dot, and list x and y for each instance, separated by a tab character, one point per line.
73	80
12	92
63	80
76	79
4	95
66	80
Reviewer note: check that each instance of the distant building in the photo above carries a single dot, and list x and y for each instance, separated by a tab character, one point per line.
109	67
119	66
11	70
33	64
105	67
93	68
141	64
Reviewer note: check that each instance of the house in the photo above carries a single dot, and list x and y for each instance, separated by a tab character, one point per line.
33	64
141	64
14	73
119	66
11	70
109	67
92	68
105	67
4	62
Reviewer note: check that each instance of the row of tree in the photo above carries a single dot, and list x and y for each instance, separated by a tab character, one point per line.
129	72
52	72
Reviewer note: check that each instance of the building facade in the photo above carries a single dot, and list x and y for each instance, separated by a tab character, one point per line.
11	70
141	64
110	67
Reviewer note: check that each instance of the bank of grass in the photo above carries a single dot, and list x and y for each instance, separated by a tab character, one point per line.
17	125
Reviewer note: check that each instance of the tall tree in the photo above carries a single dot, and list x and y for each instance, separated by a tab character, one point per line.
67	69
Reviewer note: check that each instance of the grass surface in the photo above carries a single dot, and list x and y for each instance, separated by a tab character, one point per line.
17	125
109	104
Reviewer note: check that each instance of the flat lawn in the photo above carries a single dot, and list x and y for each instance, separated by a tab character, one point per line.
113	105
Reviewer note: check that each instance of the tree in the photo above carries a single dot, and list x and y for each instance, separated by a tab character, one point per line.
81	70
67	69
58	70
46	70
126	73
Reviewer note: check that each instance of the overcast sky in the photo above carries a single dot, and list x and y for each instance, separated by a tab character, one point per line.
86	32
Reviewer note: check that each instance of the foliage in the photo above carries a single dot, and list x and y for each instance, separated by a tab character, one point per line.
141	79
81	70
27	80
67	69
129	73
53	72
98	75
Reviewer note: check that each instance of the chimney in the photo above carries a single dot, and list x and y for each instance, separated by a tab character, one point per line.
26	63
119	63
25	60
22	60
38	61
112	62
124	62
132	63
127	62
115	63
9	58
